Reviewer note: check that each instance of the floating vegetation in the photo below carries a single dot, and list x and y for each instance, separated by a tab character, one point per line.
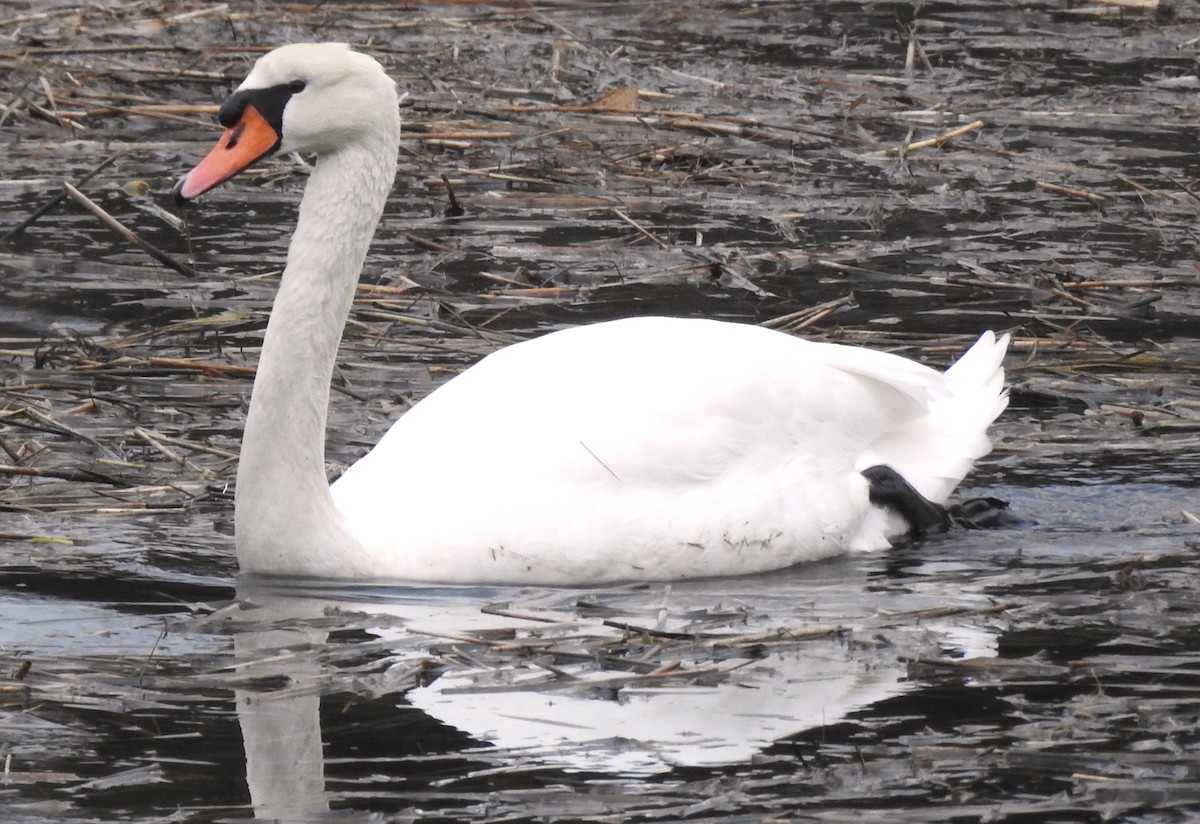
898	176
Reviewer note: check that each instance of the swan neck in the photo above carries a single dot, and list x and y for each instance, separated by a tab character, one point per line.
285	519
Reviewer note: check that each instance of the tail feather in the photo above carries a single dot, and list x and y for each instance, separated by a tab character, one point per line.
935	451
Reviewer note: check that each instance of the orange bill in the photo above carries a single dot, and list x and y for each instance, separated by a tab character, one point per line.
251	138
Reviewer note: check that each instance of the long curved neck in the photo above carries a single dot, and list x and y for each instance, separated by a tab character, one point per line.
285	519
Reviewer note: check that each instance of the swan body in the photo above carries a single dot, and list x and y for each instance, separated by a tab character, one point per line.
638	449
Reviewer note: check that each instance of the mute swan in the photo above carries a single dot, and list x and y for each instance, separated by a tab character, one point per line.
640	449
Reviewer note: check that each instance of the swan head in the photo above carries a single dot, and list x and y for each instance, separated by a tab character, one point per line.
305	97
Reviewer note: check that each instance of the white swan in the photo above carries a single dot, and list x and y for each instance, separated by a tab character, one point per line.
641	449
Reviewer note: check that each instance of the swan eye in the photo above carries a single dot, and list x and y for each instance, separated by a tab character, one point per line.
296	86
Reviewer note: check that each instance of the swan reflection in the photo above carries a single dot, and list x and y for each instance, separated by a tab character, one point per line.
621	682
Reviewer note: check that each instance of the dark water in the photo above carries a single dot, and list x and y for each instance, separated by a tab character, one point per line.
1045	672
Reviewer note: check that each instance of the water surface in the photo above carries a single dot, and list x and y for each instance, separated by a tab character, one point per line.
1044	672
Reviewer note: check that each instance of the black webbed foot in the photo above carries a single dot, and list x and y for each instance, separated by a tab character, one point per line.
984	513
888	488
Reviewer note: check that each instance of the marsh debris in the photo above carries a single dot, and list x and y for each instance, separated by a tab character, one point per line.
899	176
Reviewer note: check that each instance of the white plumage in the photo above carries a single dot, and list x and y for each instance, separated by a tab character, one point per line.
640	449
